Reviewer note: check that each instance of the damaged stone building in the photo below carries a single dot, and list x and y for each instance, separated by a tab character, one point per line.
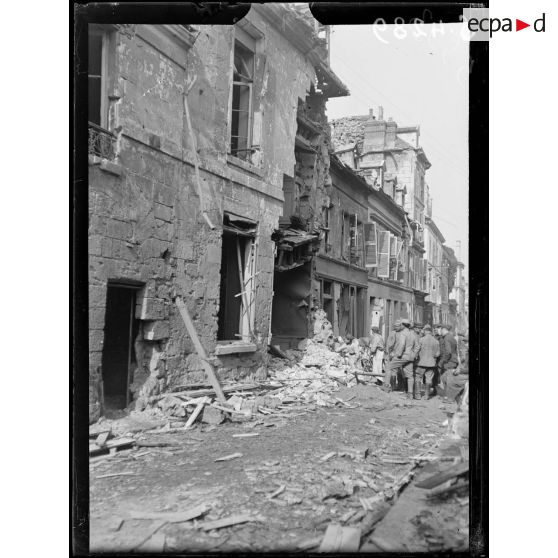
390	160
208	164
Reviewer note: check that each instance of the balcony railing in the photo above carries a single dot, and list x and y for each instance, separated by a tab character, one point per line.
101	142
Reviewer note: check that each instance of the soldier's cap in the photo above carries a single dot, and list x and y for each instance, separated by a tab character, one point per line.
417	325
427	327
405	321
446	326
375	329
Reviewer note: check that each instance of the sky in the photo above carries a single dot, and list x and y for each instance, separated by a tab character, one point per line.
419	74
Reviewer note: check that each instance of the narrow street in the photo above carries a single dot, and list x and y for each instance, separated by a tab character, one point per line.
297	473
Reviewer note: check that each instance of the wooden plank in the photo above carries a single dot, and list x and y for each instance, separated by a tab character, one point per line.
227	522
308	544
199	349
332	538
229	457
446	490
440	478
112	445
102	438
245	310
122	474
173	517
209	392
120	442
195	413
350	539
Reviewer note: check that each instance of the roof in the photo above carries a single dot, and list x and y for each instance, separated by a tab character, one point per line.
350	130
429	222
402	144
350	173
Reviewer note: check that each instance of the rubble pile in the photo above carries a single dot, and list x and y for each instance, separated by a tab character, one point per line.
321	365
306	376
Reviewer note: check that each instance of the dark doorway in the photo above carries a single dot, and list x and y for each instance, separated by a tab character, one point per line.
289	315
120	329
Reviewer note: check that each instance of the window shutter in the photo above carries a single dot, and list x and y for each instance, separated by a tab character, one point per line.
371	245
400	261
383	254
393	257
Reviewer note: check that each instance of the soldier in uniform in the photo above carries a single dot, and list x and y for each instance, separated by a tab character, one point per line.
404	355
429	351
376	350
390	346
453	378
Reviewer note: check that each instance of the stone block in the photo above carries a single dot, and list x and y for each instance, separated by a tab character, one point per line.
213	254
107	250
163	230
156	330
164	195
163	212
97	318
97	296
211	415
96	337
119	229
185	250
149	308
94	245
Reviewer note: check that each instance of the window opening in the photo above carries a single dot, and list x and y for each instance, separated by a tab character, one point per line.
236	308
241	118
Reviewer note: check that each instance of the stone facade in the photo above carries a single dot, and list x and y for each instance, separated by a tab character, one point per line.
164	88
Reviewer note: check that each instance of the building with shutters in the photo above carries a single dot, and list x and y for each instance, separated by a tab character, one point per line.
449	274
391	161
195	146
459	294
340	273
436	273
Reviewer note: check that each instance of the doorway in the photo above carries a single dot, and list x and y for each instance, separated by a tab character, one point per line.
121	329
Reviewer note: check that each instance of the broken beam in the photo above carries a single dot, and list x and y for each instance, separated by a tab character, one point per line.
199	349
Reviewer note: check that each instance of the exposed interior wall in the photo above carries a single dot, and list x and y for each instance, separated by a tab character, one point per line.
290	315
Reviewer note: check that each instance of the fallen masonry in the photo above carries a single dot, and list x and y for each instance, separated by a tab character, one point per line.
306	378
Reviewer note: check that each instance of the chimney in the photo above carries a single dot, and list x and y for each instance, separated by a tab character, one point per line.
374	132
391	130
380	113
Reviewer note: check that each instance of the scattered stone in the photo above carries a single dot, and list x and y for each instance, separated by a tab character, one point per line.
340	539
229	457
211	415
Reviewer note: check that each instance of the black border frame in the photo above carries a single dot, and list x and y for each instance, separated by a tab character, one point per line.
219	13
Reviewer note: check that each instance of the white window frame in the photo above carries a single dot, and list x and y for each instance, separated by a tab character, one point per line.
249	43
94	30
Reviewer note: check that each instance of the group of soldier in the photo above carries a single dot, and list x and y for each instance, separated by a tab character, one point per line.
416	357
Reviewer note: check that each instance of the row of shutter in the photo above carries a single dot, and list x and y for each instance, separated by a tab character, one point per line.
380	247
